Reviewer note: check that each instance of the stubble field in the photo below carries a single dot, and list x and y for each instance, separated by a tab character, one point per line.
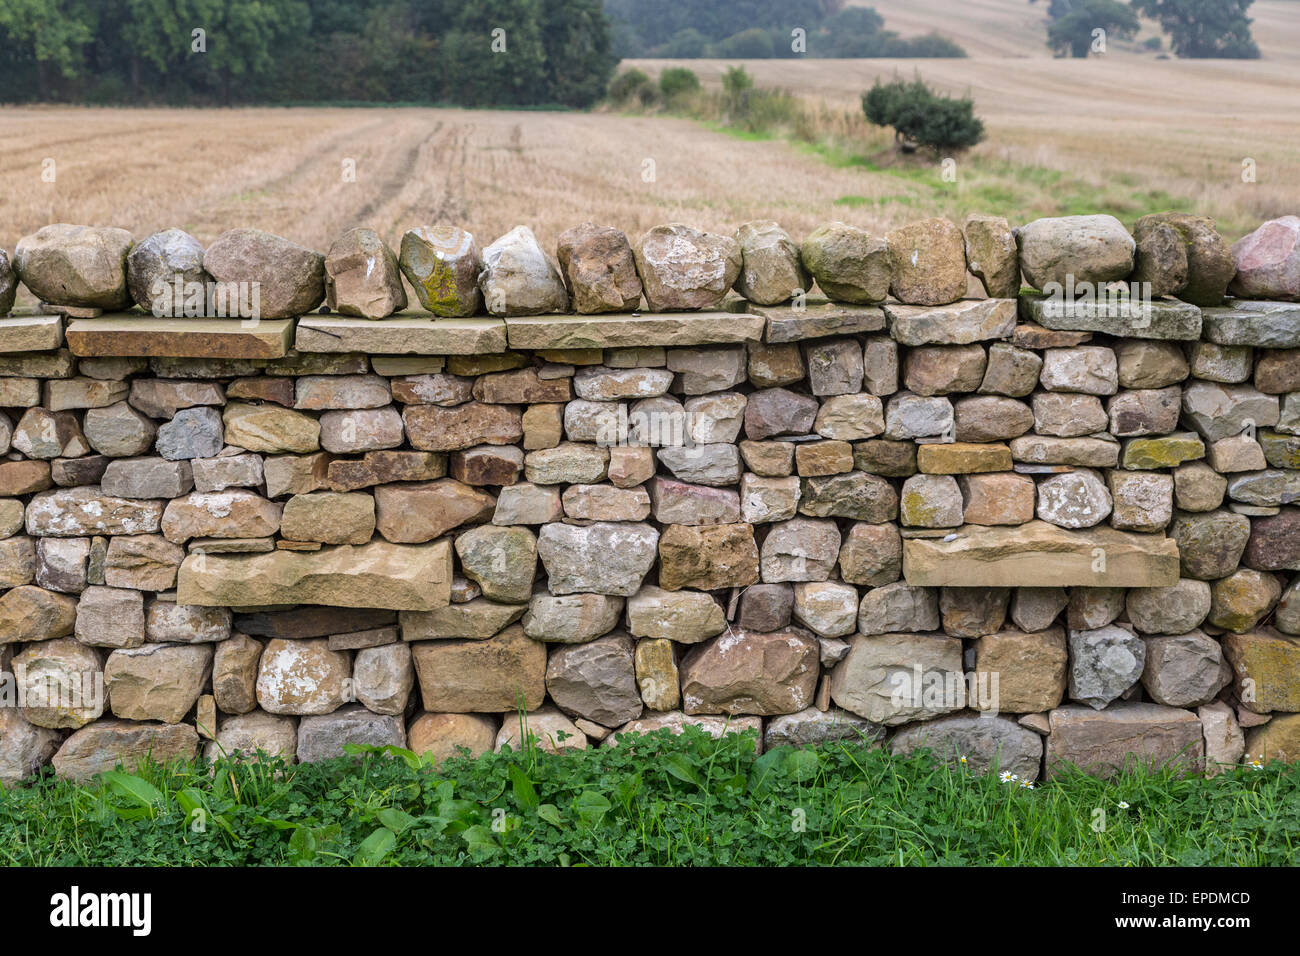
1124	134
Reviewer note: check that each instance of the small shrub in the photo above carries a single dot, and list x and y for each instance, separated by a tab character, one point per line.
678	81
628	85
922	118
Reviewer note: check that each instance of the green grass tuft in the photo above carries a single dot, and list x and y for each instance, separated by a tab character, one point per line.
653	800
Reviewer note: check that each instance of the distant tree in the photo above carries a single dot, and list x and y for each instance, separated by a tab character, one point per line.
627	85
685	45
576	44
53	33
922	118
476	74
752	44
1073	33
1204	28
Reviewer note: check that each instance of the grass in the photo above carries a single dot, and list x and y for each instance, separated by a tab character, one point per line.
985	181
653	800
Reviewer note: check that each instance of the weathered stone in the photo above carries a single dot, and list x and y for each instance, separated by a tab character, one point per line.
776	411
991	254
1217	411
714	465
1278	371
1091	608
568	463
1104	663
295	474
157	681
823	458
750	673
44	434
71	472
110	743
290	279
596	680
110	617
599	269
443	263
1225	744
329	517
433	428
675	721
80	266
896	678
771	271
61	564
765	607
1144	411
1011	371
546	728
1078	499
880	365
518	278
930	501
167	622
1161	257
801	549
443	736
942	369
27	747
1142	500
323	737
217	474
192	433
850	265
960	323
1039	554
886	457
996	499
1266	665
927	262
1103	743
988	418
1241	600
657	677
382	677
234	674
707	558
770	366
1267	261
1184	670
224	514
1036	609
682	268
702	370
1166	451
871	554
497	674
23	477
1090	369
29	613
826	608
1177	609
1236	454
1067	415
812	726
602	558
980	744
145	562
362	430
270	429
361	276
526	503
1210	544
1095	249
244	735
378	574
163	398
912	416
302	677
892	607
502	561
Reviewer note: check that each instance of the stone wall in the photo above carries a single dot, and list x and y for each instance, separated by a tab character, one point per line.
936	510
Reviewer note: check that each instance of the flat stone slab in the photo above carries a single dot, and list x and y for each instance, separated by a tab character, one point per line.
818	318
1038	554
136	335
958	323
402	334
1273	325
399	577
1157	319
633	329
30	333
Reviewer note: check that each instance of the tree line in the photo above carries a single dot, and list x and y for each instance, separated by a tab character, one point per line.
761	29
206	52
1196	28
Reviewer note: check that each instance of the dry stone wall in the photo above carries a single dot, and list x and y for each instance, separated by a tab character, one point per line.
933	509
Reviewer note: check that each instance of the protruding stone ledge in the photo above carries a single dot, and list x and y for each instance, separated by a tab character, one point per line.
145	335
633	330
817	319
30	333
399	577
1160	319
1273	325
1039	554
1104	742
401	335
